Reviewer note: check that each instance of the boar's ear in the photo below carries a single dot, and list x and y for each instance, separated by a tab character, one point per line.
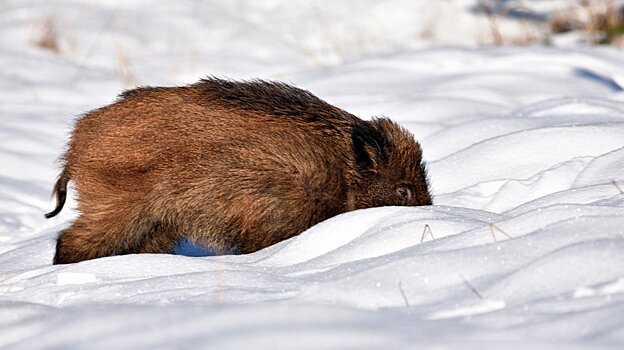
369	144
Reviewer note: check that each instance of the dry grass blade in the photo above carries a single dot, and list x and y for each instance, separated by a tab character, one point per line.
617	186
494	227
425	230
123	66
403	294
488	8
471	287
107	24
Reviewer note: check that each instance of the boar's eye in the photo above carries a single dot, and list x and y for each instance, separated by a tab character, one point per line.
404	193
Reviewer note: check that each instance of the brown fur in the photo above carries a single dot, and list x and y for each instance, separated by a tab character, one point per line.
226	165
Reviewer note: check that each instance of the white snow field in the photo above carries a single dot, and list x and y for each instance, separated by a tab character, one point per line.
523	249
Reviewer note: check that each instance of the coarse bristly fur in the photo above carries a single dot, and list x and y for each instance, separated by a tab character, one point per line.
226	164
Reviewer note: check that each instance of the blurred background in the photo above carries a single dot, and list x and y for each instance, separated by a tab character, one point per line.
164	42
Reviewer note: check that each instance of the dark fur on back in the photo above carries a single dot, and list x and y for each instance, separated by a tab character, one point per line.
266	97
226	164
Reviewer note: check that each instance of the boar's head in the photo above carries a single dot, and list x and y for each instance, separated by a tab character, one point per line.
389	167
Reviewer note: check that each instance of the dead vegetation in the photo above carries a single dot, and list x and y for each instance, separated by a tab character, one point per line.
124	69
601	22
507	23
495	15
426	230
605	23
47	36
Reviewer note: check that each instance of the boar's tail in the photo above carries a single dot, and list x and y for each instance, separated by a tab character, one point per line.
60	190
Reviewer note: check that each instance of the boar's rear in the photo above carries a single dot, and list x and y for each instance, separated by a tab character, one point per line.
228	165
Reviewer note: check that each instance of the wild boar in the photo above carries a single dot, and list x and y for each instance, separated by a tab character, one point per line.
231	165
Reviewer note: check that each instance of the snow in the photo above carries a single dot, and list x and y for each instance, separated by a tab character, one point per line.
525	148
75	278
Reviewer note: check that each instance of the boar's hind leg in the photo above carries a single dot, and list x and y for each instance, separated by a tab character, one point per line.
160	239
95	236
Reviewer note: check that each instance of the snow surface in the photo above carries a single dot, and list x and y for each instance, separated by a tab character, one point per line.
524	247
